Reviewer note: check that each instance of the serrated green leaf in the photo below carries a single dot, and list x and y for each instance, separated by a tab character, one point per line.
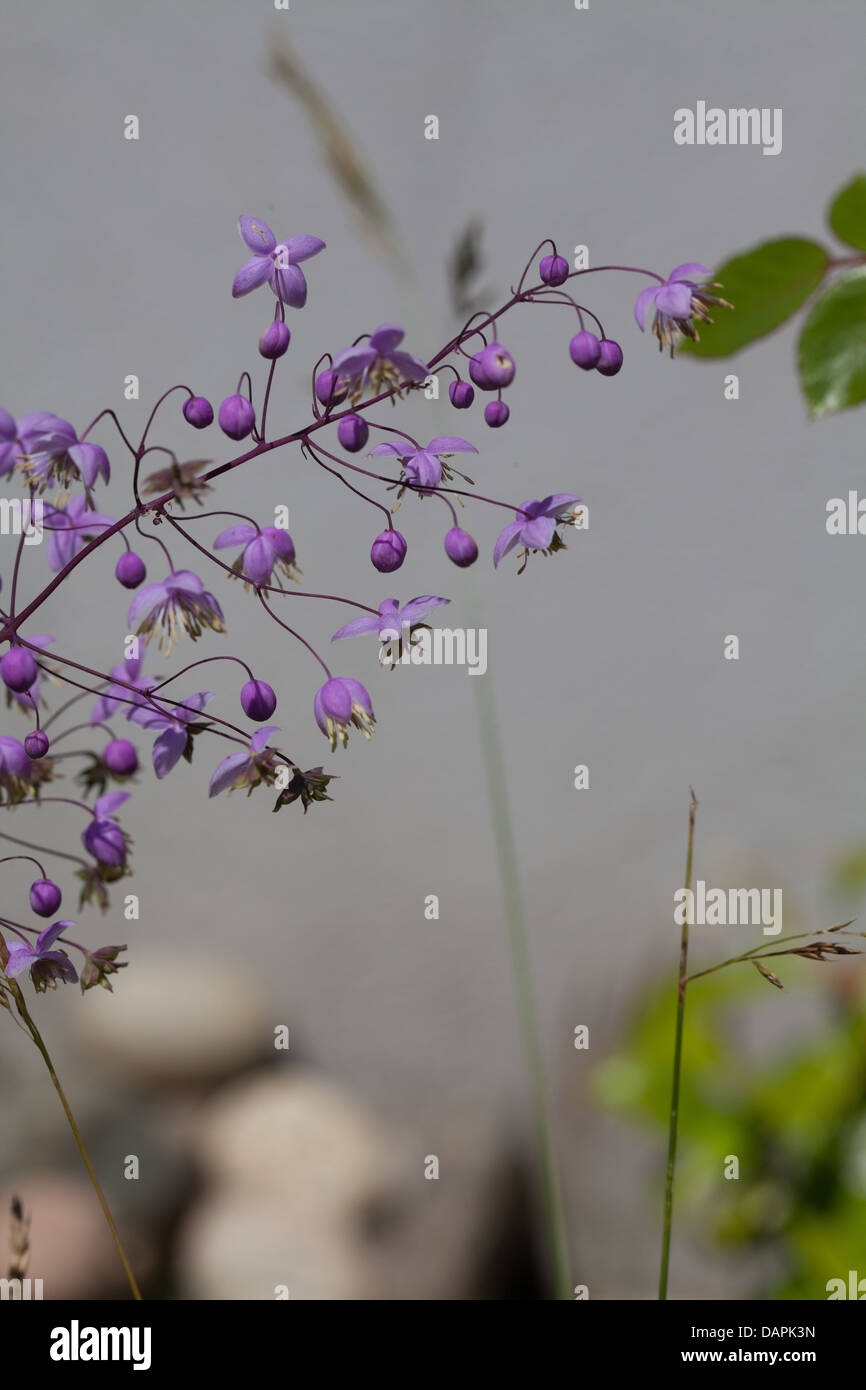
765	286
847	214
832	349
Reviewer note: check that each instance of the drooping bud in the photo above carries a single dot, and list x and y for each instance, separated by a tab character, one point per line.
496	413
258	700
610	360
236	417
45	897
353	432
18	669
460	547
462	394
388	551
36	744
121	757
198	412
331	389
275	340
497	364
553	270
130	570
585	349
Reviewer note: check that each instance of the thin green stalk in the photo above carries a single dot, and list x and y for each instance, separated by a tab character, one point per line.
677	1068
37	1038
506	853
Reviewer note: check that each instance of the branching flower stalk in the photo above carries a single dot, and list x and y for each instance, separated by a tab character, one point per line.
814	950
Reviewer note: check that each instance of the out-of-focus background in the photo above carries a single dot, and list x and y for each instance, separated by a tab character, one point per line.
707	519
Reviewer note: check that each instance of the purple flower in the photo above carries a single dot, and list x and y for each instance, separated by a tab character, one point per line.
115	697
276	263
46	966
104	838
175	737
380	362
265	550
249	768
678	302
69	529
424	469
535	525
179	604
391	618
340	702
53	453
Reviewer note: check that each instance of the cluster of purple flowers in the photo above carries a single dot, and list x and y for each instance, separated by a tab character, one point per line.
49	457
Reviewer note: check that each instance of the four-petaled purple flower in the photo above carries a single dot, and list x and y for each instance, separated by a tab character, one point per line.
340	702
265	549
175	736
179	604
53	453
391	619
46	966
69	529
424	469
678	302
380	363
535	526
249	768
276	263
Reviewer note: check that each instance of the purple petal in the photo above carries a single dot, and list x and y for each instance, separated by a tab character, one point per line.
553	504
290	285
642	303
261	736
410	368
301	248
403	451
358	626
417	608
20	956
688	271
674	300
62	963
252	273
234	535
256	234
224	775
147	598
280	541
91	460
386	338
104	805
186	580
167	750
538	533
258	561
450	444
353	361
48	937
506	540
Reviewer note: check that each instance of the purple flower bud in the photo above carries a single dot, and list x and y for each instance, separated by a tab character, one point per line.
45	897
18	669
236	417
330	388
496	413
198	412
130	570
353	432
258	700
497	364
274	340
611	358
553	270
462	394
478	374
36	744
460	547
388	551
585	349
105	840
120	757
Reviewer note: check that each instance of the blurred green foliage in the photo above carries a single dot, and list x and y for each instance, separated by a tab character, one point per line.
795	1119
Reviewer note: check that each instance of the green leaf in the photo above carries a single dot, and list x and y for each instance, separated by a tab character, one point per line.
847	215
832	352
765	286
